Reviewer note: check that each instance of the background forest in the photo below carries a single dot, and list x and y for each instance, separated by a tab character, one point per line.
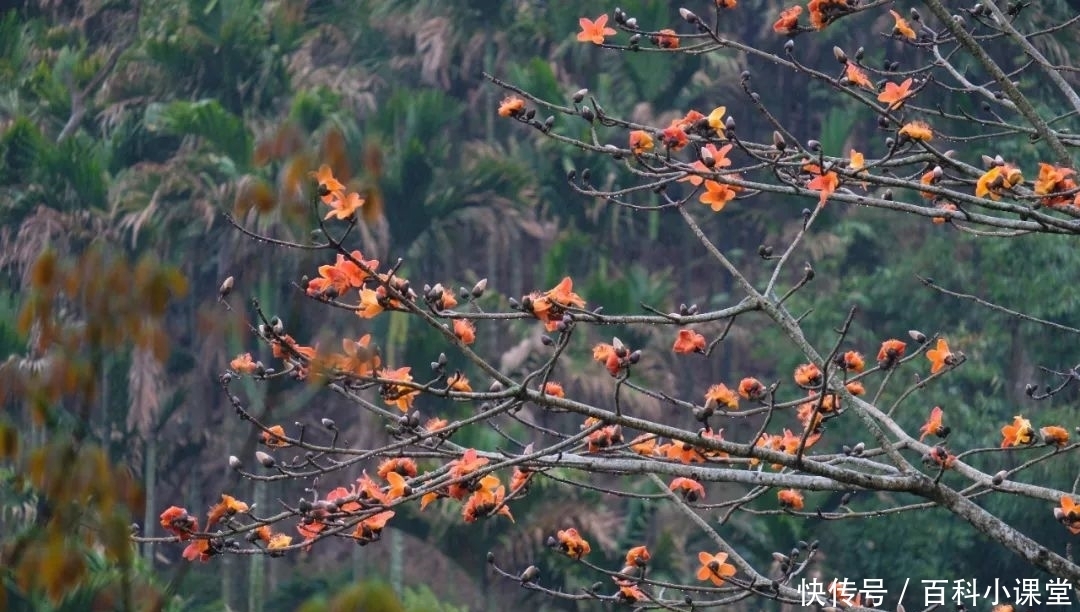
129	129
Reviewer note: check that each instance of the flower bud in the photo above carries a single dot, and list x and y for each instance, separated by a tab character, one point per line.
225	289
234	462
265	459
479	288
917	335
587	114
530	574
999	477
688	16
329	424
839	54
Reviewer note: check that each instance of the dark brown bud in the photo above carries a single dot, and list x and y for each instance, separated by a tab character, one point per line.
479	288
225	289
579	95
530	574
839	54
688	16
265	459
917	335
778	141
234	462
587	114
813	145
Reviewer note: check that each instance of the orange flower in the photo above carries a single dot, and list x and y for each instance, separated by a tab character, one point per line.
690	489
604	437
890	352
944	206
826	183
855	388
199	549
329	187
674	137
1069	514
666	39
939	357
728	4
278	541
511	106
751	389
465	331
638	556
594	31
788	22
640	142
894	95
682	452
398	486
901	28
401	396
720	160
790	498
996	180
714	568
720	394
554	389
609	356
844	594
458	382
360	358
519	480
1052	434
1018	433
485	500
345	207
400	465
942	457
435	424
823	12
178	522
228	506
370	529
274	437
369	305
852	361
645	444
717	195
857	77
572	544
243	364
858	160
550	306
689	341
1052	180
933	426
807	375
916	130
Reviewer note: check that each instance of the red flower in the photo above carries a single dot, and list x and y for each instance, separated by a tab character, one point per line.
689	341
890	352
788	22
933	426
790	498
178	522
690	489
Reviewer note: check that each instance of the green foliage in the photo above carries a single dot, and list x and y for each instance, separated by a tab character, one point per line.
208	120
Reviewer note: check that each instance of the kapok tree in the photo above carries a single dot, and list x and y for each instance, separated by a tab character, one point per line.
759	444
